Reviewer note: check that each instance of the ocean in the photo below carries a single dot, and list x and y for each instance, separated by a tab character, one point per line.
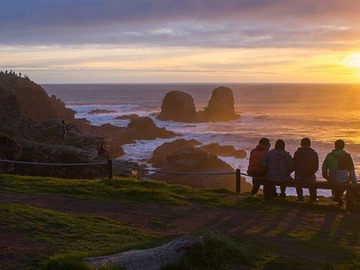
322	112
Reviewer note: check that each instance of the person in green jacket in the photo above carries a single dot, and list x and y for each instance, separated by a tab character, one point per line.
338	167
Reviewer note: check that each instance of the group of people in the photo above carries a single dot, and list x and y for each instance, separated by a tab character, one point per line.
276	165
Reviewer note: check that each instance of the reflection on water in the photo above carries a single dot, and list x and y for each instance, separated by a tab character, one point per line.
322	112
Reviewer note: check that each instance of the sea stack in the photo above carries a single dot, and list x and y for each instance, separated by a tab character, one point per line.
178	106
221	106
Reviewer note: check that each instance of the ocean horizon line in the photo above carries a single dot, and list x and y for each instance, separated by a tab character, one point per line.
196	83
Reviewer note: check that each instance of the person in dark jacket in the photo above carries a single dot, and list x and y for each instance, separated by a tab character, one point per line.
102	150
280	165
63	131
338	167
255	169
306	164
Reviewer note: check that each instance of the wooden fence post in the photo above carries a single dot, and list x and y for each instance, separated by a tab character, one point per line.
238	181
110	169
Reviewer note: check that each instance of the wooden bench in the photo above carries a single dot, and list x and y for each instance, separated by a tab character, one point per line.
351	189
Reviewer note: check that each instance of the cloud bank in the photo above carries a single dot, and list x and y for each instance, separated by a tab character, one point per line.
185	23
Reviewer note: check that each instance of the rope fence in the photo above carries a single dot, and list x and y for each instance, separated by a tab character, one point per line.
110	165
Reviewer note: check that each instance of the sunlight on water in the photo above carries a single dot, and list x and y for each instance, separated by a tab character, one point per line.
324	113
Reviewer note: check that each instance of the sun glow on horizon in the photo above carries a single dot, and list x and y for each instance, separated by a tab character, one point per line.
352	61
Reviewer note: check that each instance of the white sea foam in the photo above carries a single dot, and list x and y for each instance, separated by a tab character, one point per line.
288	112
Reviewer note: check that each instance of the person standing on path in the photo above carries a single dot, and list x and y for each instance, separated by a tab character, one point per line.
63	131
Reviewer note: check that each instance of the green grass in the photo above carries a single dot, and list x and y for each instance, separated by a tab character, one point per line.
120	190
57	232
314	237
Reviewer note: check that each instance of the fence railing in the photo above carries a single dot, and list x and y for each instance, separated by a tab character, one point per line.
110	165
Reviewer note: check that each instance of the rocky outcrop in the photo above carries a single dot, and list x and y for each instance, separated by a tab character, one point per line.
30	129
220	107
177	106
223	150
130	117
187	161
32	99
165	150
99	111
141	128
144	128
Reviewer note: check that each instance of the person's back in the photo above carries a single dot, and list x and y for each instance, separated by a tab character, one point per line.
279	164
306	164
255	169
306	161
338	167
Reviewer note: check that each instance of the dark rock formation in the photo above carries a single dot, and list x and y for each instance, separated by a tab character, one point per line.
223	150
144	128
98	111
30	120
165	150
141	128
130	117
190	160
33	100
220	107
177	106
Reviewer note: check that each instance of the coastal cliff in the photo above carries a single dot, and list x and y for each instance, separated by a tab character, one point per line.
30	131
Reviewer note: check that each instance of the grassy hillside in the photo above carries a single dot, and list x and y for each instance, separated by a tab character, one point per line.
51	223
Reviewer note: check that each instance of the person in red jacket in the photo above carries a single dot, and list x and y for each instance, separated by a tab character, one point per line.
255	169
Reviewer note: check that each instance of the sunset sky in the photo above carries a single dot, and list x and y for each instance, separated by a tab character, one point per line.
155	41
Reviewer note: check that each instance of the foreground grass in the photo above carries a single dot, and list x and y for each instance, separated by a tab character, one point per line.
119	190
52	232
284	235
